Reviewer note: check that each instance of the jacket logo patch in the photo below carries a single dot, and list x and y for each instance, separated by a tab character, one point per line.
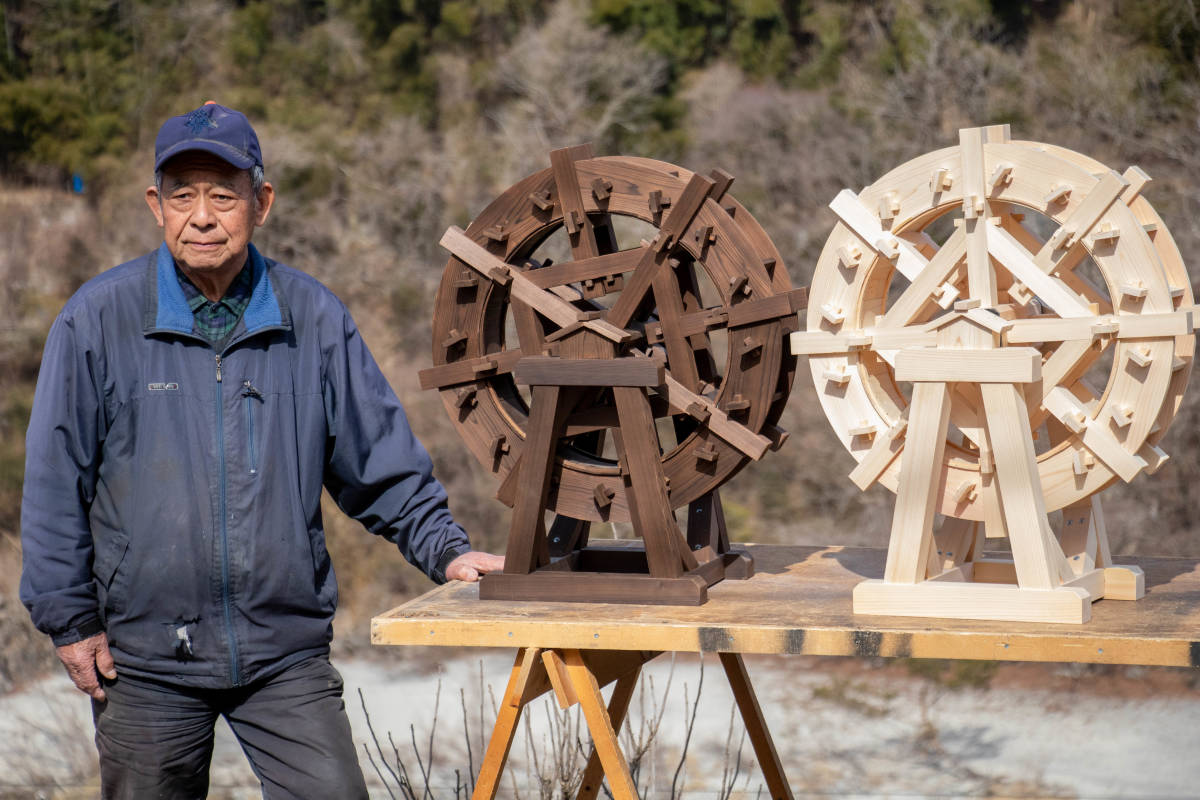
163	387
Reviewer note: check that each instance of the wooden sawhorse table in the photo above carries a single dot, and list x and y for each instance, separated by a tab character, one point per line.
798	602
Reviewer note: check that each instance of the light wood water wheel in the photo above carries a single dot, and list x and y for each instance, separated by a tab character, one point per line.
1010	264
609	341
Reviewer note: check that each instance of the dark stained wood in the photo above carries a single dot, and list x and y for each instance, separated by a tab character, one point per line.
496	413
750	312
706	524
669	300
601	189
527	546
558	322
549	371
596	268
581	232
646	486
722	180
566	536
594	587
776	434
682	213
506	492
469	370
776	306
739	565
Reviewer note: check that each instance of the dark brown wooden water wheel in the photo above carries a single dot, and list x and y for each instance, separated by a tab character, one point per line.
609	341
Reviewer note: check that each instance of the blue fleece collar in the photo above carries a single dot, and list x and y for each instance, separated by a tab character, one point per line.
264	310
174	313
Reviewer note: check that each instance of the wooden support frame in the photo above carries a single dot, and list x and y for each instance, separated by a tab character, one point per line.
672	568
576	677
942	573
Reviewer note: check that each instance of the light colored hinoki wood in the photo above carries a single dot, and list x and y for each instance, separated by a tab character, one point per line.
1012	334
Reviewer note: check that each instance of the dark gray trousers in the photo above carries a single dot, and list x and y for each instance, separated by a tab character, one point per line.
156	740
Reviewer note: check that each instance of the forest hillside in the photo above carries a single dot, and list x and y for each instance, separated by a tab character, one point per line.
385	121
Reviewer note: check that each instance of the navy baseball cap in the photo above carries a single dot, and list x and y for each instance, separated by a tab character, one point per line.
214	129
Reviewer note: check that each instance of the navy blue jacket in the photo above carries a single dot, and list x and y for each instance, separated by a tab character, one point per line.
173	493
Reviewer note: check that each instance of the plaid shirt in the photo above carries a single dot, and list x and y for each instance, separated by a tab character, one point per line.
215	321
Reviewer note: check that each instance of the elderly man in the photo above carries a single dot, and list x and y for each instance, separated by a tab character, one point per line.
190	407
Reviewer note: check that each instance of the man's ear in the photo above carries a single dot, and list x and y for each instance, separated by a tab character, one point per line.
155	204
263	203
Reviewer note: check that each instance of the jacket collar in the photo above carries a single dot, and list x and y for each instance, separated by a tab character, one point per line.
167	310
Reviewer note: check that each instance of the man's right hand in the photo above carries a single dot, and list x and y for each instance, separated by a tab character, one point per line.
84	659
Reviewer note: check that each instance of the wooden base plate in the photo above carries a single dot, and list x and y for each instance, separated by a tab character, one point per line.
993	596
614	575
962	600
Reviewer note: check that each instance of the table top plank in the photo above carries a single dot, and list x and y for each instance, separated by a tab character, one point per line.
799	602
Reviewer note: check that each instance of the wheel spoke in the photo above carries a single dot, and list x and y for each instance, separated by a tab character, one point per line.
1071	232
1079	284
581	231
669	301
865	225
1065	367
1020	264
653	258
523	290
927	282
605	268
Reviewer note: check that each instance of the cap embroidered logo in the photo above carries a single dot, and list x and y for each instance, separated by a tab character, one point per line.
200	120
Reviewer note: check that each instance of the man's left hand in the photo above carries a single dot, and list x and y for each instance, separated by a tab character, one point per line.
471	564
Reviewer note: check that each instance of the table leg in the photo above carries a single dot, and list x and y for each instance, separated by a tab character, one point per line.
528	679
604	738
756	726
618	705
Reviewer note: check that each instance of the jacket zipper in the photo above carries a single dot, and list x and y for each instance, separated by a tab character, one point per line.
226	601
249	392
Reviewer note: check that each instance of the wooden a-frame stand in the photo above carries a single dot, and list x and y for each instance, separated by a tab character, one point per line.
576	677
944	574
671	569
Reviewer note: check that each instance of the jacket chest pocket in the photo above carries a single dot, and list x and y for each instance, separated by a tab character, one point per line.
252	401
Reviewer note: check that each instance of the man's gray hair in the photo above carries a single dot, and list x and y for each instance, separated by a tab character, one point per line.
258	179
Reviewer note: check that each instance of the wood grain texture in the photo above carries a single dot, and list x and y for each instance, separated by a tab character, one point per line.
566	181
920	467
604	736
799	602
618	706
510	283
756	726
1007	365
981	278
547	371
527	681
1039	559
861	313
997	602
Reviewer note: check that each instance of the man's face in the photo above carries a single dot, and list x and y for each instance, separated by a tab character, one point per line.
207	211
